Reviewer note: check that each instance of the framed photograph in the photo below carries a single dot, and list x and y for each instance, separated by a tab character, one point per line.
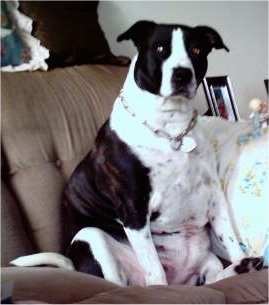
220	97
266	84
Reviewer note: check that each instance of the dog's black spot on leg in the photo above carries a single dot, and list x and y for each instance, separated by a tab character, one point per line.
249	263
81	255
220	238
200	280
154	215
160	248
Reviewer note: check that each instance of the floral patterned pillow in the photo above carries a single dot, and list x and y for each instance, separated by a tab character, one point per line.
19	50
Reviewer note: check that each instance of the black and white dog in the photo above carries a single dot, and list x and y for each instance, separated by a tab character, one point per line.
143	200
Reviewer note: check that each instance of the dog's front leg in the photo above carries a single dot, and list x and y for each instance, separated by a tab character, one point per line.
146	253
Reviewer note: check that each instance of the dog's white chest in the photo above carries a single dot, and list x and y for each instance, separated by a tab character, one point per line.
179	181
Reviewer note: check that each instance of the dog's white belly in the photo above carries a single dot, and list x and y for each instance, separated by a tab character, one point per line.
182	254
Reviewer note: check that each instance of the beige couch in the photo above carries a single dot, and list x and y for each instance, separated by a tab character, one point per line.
49	122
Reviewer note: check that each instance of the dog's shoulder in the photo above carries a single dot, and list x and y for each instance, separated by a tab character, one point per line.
111	182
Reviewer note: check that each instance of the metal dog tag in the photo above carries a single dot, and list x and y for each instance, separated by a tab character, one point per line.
188	144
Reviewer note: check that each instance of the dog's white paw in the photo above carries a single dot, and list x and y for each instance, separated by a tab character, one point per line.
153	279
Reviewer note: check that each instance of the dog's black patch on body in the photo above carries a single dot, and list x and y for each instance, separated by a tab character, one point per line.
148	69
81	255
109	184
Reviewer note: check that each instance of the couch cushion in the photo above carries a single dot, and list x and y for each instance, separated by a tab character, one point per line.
247	288
159	295
14	238
53	285
46	130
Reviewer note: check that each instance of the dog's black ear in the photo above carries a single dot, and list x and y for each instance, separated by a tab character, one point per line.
212	36
138	33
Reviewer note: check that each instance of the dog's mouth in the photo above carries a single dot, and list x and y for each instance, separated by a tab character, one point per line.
185	92
188	93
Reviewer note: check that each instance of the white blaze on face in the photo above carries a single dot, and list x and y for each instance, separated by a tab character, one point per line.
178	58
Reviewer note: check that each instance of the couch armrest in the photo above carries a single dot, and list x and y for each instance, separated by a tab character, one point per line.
14	238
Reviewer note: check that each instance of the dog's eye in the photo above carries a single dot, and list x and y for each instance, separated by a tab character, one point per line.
159	50
195	51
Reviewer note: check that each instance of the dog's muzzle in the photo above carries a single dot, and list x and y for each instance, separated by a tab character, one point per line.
183	83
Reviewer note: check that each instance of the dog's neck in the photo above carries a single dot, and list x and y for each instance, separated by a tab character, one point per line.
167	113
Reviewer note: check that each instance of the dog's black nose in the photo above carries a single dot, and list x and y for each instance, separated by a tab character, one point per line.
182	76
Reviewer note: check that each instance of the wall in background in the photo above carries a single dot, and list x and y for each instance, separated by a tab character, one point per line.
243	26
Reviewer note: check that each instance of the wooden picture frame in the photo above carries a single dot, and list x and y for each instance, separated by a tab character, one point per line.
220	97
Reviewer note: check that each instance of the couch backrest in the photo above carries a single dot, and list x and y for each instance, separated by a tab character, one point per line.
49	122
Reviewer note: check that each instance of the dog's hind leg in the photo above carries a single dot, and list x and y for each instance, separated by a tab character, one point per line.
212	269
92	251
221	223
248	264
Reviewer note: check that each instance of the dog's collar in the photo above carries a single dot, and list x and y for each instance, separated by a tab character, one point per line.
182	141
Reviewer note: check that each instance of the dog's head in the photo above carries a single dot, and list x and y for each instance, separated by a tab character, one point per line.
172	59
